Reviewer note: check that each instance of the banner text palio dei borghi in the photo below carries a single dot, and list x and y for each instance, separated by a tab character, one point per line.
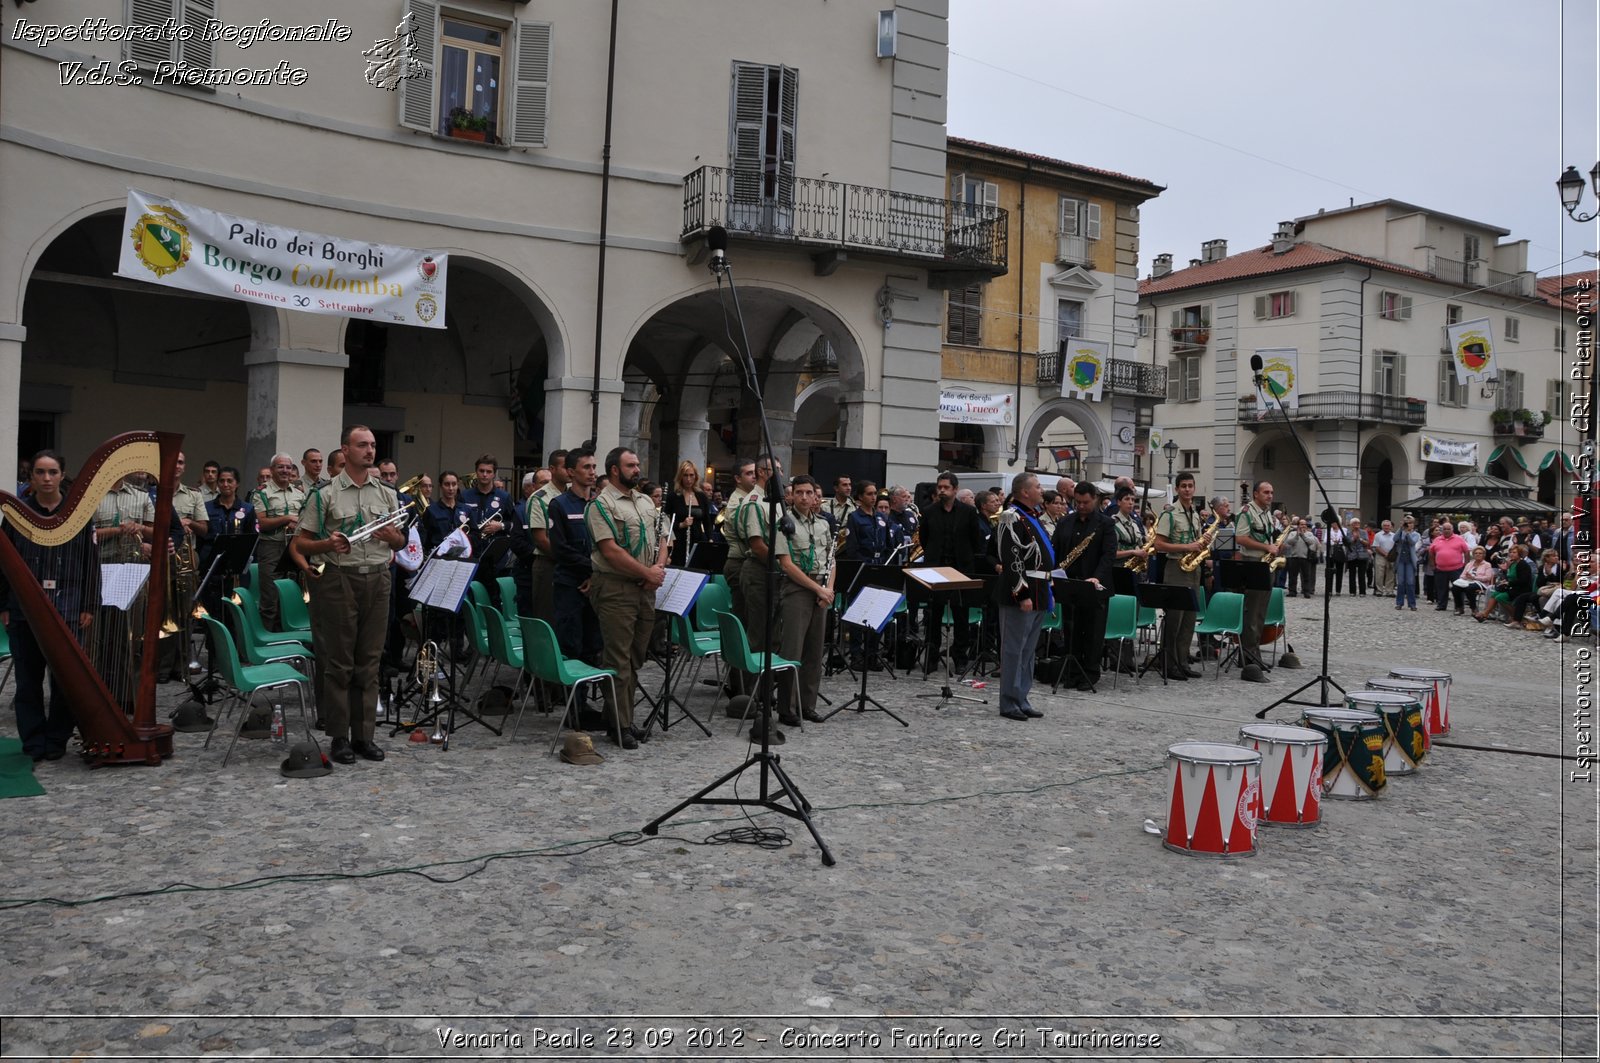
182	246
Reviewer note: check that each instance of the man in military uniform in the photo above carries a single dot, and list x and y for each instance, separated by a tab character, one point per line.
355	586
837	509
277	508
311	478
1256	540
756	530
1178	533
189	528
744	482
208	481
807	563
1130	532
629	566
537	519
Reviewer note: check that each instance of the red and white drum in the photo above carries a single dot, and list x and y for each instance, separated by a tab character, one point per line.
1438	710
1291	772
1352	763
1417	688
1404	735
1215	799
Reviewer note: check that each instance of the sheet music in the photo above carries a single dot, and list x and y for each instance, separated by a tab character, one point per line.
423	582
873	607
120	584
678	591
931	576
453	584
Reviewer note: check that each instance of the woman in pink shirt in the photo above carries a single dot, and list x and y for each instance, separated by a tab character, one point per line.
1478	577
1449	553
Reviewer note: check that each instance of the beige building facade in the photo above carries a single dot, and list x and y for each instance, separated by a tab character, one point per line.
580	305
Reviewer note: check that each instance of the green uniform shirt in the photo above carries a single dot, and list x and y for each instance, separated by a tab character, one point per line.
1179	525
537	518
275	501
627	517
751	520
812	549
730	526
1128	537
125	502
1257	524
341	506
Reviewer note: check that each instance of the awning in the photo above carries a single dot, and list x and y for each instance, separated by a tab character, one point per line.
1553	456
1505	450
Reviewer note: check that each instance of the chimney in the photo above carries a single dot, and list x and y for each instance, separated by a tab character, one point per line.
1193	262
1283	239
1213	250
1162	265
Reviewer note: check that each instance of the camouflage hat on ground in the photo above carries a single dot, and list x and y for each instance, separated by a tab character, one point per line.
305	761
576	748
191	717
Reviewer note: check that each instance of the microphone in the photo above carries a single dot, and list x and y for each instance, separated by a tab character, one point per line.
1255	367
717	241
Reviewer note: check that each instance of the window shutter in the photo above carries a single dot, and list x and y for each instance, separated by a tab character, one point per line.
1294	303
1446	375
1377	372
196	51
991	194
147	53
1399	375
1405	308
530	101
1091	226
958	187
1069	216
1261	307
749	108
1177	319
1174	380
1191	383
417	95
1554	400
788	111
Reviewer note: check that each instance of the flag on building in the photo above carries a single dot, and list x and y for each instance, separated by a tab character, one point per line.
1084	371
1471	346
1280	380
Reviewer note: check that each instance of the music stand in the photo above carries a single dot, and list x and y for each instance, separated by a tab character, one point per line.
1124	581
847	576
888	578
939	583
442	584
1076	597
982	652
872	610
675	598
231	556
1242	577
1169	599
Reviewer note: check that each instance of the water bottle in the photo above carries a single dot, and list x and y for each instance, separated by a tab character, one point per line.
279	735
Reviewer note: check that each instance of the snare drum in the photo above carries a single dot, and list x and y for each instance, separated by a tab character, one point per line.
1404	741
1419	690
1215	799
1291	772
1352	763
1438	710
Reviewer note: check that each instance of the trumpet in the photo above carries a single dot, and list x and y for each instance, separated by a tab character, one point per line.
367	531
1279	561
1193	561
1140	564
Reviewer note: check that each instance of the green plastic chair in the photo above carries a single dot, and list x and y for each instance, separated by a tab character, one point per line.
257	632
1224	616
292	611
255	651
508	599
478	595
699	645
715	597
503	650
5	655
247	680
478	636
1276	615
1122	624
736	653
547	663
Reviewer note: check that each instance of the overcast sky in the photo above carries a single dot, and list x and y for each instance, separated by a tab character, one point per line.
1255	111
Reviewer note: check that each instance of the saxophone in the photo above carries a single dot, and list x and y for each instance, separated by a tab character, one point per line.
1140	564
1077	551
1279	561
1193	561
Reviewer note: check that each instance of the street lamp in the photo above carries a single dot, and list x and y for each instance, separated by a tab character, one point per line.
1570	185
1170	449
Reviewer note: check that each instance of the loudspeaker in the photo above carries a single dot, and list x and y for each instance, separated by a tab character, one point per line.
827	464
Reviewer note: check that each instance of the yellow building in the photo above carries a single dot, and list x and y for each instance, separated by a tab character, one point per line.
1074	249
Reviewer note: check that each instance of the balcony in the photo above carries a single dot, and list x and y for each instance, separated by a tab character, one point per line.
830	219
1364	409
1075	250
1511	425
1190	339
1468	273
1123	377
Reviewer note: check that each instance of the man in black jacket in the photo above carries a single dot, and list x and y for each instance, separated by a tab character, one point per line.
1086	628
952	535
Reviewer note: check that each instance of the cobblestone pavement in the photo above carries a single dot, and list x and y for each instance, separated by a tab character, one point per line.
990	874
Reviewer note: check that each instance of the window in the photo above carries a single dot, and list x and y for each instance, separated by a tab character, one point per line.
965	316
189	14
1189	459
1452	314
1269	458
1451	391
1509	394
1513	330
1069	319
1183	380
1393	306
486	77
1144	325
1558	399
1077	229
761	137
1191	326
1389	374
974	192
1278	304
1471	247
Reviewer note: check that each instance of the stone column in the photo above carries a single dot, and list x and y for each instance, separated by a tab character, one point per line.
569	413
692	437
633	429
782	424
294	399
11	337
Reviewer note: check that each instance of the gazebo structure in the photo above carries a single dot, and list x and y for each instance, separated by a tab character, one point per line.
1477	494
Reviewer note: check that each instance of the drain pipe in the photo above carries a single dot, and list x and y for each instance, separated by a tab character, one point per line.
1022	295
605	206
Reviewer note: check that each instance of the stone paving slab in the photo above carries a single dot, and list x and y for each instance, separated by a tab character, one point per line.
990	875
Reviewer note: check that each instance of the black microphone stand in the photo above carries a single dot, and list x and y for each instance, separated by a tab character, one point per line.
1329	516
771	770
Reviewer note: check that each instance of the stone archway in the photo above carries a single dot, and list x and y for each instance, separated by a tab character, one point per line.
1274	457
1385	477
1097	443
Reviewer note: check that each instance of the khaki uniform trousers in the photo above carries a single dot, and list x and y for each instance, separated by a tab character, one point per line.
268	553
627	615
1179	626
804	622
1255	614
355	619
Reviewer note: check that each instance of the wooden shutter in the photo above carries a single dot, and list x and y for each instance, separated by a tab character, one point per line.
1377	372
1069	216
991	194
1262	309
1447	378
1292	301
1191	382
1405	308
197	51
530	98
788	144
747	112
1399	375
417	95
1174	380
1555	399
1091	224
147	53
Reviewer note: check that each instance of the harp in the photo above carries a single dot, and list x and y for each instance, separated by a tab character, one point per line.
109	735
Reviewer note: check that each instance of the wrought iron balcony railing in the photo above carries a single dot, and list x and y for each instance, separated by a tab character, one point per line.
1363	408
1123	376
820	215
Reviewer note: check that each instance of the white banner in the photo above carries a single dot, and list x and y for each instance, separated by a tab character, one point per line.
963	407
182	246
1280	379
1449	451
1084	370
1471	346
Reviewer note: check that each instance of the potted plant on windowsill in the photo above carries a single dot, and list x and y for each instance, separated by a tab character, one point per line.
1501	421
464	125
